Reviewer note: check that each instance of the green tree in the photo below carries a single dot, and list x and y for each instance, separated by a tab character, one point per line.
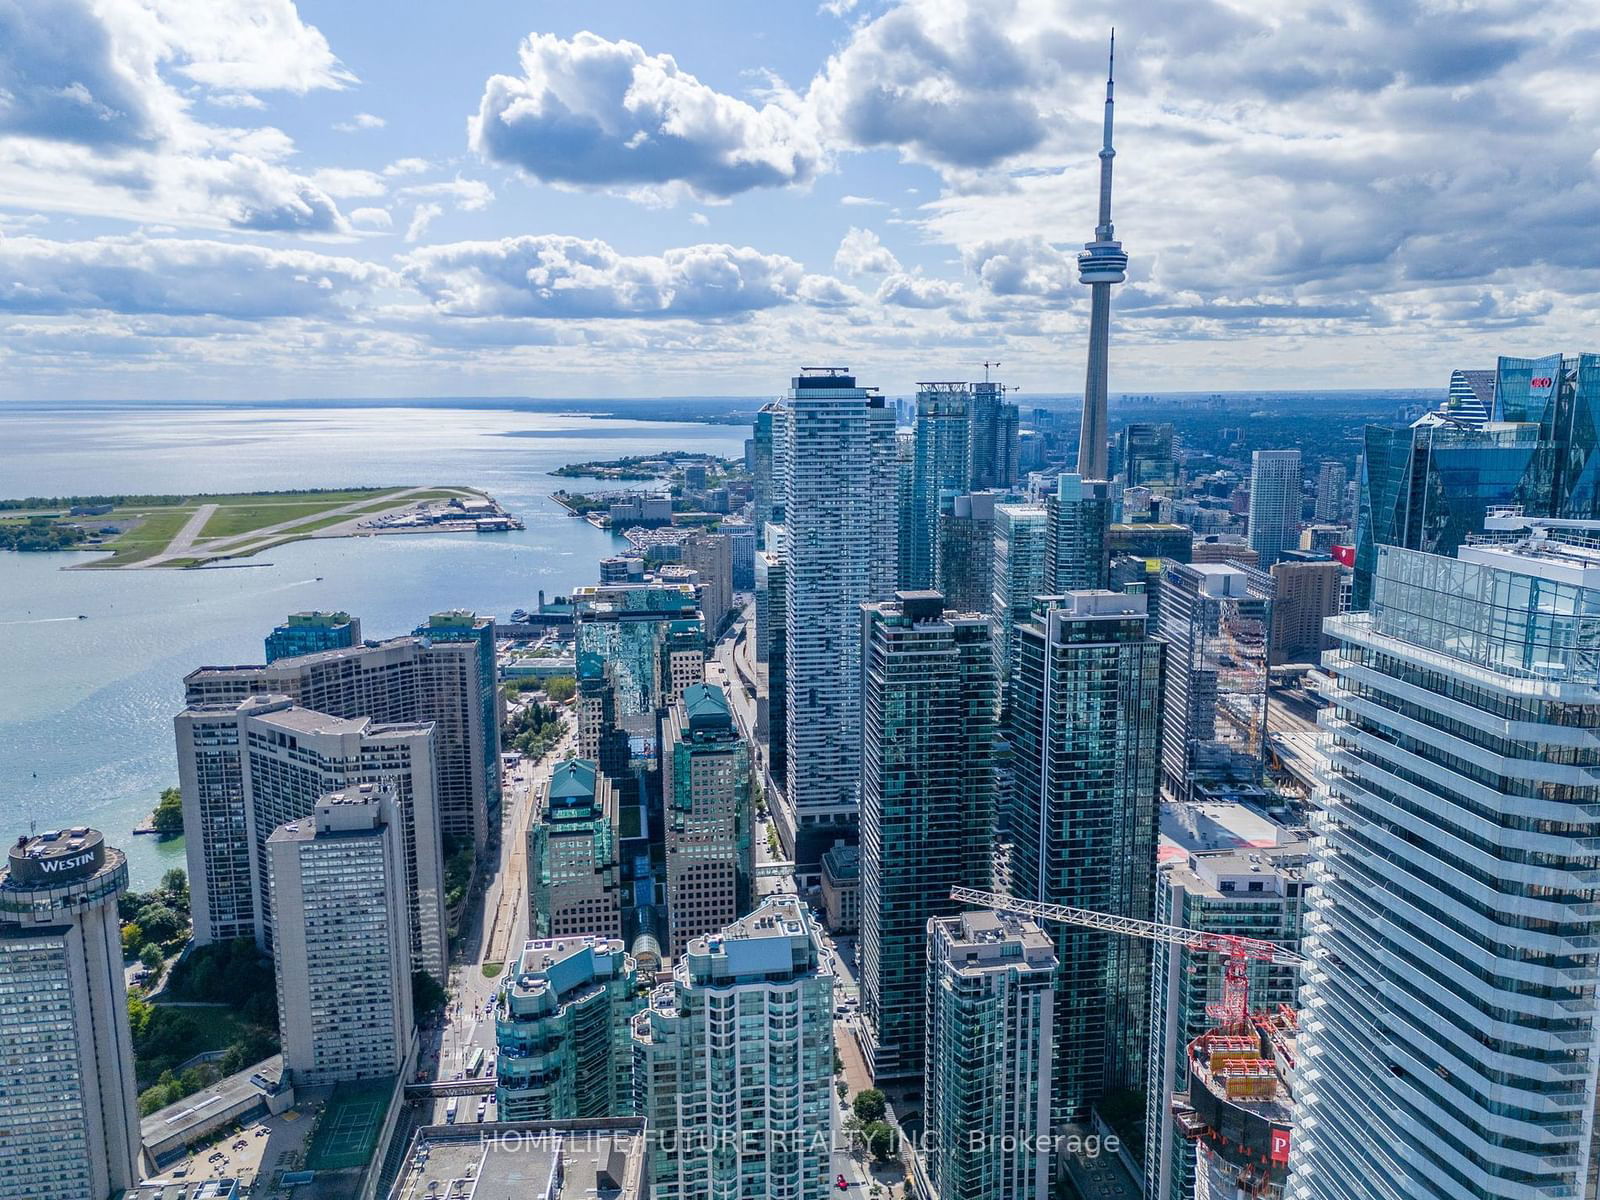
151	957
175	883
162	923
560	688
169	813
132	939
880	1139
427	997
870	1105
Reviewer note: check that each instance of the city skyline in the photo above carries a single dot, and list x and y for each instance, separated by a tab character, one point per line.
811	178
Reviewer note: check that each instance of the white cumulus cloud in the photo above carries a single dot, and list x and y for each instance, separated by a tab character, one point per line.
591	112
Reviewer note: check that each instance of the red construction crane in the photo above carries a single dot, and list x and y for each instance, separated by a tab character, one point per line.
1237	952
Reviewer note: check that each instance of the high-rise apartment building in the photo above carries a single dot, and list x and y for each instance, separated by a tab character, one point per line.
1274	503
841	547
436	679
994	448
1331	481
1020	532
990	1046
1448	1016
468	628
1076	551
312	632
927	804
1306	593
574	864
777	696
939	468
1226	869
1217	622
733	1064
965	573
246	768
69	1113
1084	728
341	939
905	495
766	492
563	1031
706	801
1147	456
711	555
741	537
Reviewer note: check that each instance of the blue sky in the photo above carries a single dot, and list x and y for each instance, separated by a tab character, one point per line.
259	199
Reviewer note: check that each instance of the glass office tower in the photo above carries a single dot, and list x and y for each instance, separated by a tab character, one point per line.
1085	733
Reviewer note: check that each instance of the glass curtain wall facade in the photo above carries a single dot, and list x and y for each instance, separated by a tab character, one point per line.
938	469
1085	737
927	804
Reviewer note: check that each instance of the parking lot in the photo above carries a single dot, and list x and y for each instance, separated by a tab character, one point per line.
259	1150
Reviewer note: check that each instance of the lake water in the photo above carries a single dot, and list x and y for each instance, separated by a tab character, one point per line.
86	706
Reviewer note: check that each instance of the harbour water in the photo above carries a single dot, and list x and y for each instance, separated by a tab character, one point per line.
86	705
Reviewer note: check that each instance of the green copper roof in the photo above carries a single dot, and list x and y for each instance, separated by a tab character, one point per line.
704	702
571	780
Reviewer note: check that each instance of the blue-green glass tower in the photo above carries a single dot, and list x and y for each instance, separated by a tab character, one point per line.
311	633
939	468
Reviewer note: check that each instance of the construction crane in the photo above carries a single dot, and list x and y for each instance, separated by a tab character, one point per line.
1237	952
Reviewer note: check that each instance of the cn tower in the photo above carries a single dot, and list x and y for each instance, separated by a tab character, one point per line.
1101	263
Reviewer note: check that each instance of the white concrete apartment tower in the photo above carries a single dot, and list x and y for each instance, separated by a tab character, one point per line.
1274	504
342	938
69	1113
1448	1019
839	473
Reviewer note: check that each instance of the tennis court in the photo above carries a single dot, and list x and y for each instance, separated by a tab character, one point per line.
350	1123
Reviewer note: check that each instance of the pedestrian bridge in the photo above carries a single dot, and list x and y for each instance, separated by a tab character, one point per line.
774	870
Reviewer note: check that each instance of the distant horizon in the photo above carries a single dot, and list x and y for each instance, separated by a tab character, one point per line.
582	405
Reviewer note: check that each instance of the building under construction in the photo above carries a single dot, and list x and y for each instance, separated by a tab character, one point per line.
1239	1109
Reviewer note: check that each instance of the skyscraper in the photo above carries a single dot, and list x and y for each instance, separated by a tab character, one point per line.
705	793
1217	621
619	630
733	1064
965	575
247	767
993	450
927	804
990	1044
563	1031
841	547
1448	1015
905	493
310	632
777	697
1076	554
939	468
438	680
340	937
1305	594
1101	264
1428	487
69	1113
1331	480
468	628
574	866
1084	731
1227	869
765	486
1274	503
1147	456
1020	532
711	554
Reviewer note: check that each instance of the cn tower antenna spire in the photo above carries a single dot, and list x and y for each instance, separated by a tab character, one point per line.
1101	264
